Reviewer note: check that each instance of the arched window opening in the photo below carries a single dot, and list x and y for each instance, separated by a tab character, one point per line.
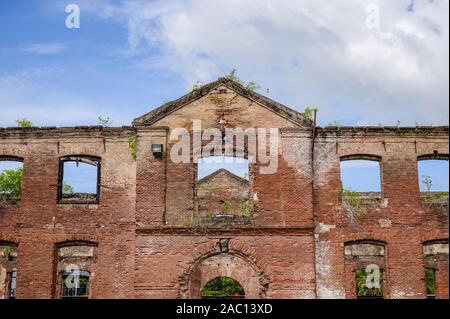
433	175
436	268
11	176
79	180
223	189
8	272
75	264
223	288
364	268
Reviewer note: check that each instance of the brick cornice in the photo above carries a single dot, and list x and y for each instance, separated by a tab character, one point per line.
237	231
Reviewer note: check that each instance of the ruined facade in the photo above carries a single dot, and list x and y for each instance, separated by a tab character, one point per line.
143	235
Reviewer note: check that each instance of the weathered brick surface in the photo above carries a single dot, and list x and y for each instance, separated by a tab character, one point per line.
148	246
222	187
400	220
37	223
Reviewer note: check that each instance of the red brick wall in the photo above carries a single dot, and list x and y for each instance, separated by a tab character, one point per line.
296	247
38	223
400	220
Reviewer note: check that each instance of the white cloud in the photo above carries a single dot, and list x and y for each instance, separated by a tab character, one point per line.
26	94
47	48
307	52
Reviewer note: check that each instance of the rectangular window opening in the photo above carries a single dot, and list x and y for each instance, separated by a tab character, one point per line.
11	176
75	285
79	181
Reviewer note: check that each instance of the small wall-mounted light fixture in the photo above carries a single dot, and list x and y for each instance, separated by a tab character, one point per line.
223	245
157	150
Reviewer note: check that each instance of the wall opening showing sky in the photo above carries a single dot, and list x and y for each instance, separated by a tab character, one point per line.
129	57
235	165
438	173
10	165
361	175
81	177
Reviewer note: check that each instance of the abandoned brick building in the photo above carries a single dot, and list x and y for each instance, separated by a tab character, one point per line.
152	229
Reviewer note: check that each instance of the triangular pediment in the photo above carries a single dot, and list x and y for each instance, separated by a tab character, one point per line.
223	84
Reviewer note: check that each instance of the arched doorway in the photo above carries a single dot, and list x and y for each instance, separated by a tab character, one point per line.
223	288
234	266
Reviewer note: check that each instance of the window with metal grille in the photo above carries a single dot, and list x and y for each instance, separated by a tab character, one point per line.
75	284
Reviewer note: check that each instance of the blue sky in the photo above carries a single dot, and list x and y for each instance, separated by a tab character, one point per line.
129	57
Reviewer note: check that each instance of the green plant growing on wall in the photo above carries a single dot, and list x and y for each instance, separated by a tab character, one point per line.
252	85
8	252
335	124
432	197
105	121
351	201
225	207
428	182
68	189
24	123
132	145
309	112
197	85
248	209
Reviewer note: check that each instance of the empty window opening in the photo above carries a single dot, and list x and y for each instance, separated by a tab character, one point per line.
364	267
11	176
79	180
75	284
433	180
75	262
8	274
430	282
223	288
361	175
436	268
223	189
236	165
433	175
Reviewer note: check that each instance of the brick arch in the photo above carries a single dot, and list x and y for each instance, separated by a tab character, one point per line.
364	157
235	153
12	158
81	262
365	241
436	241
433	156
76	242
8	242
233	264
366	237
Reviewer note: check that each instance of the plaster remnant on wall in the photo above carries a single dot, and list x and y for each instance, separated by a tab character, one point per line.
385	223
324	269
323	228
297	154
76	251
434	249
364	250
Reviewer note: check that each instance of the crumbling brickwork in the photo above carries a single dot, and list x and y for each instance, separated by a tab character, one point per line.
143	238
222	192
